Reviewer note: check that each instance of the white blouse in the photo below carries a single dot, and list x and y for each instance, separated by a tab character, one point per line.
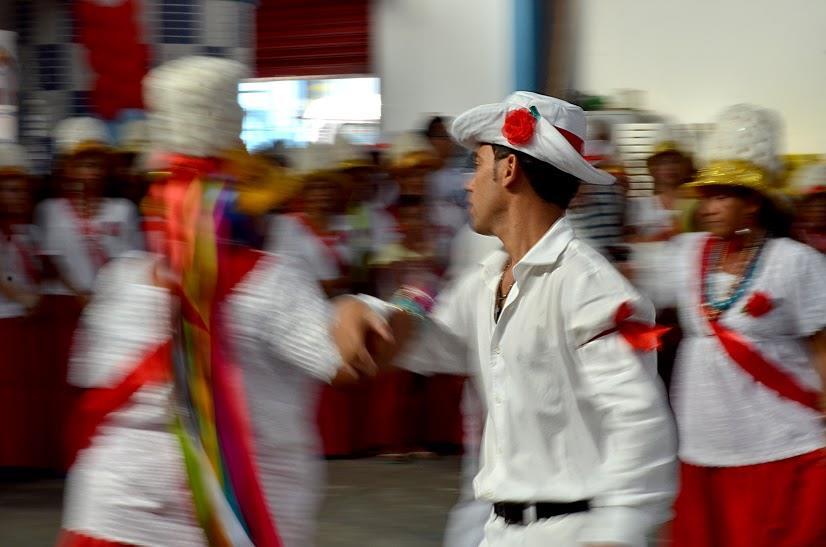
291	237
130	485
81	253
726	418
18	257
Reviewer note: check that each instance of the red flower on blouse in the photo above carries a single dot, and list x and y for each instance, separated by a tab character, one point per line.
759	304
519	126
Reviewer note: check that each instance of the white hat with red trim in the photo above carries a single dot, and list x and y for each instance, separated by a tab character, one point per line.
543	127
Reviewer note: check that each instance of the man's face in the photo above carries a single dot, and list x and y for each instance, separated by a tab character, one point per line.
485	193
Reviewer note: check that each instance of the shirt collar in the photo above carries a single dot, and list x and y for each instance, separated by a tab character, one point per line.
545	252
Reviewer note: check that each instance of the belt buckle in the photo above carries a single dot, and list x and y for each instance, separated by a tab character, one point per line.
529	514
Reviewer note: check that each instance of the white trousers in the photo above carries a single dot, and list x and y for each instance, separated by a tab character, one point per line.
562	531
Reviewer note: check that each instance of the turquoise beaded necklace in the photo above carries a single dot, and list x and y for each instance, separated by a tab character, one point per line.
715	308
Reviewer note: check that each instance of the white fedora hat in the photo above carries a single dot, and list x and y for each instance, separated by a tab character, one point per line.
546	128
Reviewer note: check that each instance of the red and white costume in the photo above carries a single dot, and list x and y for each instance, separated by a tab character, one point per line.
21	384
739	439
80	247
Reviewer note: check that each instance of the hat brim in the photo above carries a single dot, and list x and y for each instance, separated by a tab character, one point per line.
91	147
483	125
13	171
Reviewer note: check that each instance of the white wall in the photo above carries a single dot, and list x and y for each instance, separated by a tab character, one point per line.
440	56
695	57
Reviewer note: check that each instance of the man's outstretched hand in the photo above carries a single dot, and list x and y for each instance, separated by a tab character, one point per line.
359	333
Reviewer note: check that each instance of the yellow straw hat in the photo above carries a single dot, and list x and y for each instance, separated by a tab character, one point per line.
412	151
731	173
13	160
261	186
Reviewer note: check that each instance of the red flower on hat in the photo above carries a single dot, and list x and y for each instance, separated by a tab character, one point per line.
519	126
759	304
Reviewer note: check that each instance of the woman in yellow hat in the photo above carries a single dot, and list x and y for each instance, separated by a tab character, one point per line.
748	383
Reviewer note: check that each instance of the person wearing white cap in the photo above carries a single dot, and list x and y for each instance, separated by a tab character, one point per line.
579	445
80	231
81	228
20	444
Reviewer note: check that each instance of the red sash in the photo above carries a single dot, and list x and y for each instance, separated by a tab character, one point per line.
640	336
96	404
235	432
751	361
90	235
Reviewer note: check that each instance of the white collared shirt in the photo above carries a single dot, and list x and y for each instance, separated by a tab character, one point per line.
573	412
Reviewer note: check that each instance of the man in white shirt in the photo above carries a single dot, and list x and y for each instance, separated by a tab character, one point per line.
578	447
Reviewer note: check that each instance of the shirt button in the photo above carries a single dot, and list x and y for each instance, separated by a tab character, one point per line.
497	350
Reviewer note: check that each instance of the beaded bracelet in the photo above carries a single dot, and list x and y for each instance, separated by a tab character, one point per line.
413	300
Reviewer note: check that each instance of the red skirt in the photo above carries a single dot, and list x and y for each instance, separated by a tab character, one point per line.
776	504
336	424
411	413
75	539
22	442
53	395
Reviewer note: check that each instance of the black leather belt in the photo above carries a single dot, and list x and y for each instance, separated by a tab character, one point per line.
515	513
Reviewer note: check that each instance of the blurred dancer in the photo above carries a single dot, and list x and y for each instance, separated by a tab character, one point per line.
80	230
153	419
316	232
657	217
747	387
808	189
651	222
466	521
446	191
578	445
20	383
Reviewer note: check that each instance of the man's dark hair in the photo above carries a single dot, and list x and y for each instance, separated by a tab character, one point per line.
550	183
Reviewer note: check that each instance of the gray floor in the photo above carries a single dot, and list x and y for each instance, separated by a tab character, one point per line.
370	503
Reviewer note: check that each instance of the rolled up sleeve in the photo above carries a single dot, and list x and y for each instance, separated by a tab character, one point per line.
637	476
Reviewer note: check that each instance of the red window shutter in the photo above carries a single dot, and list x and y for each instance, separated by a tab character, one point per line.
312	37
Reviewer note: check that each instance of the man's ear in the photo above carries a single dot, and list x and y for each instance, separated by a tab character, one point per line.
509	171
